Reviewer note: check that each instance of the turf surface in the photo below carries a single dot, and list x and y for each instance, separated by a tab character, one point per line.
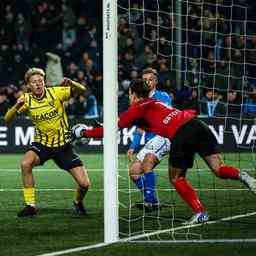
56	229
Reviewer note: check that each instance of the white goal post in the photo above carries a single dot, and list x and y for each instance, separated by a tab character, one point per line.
111	231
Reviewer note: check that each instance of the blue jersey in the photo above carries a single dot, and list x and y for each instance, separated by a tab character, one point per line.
158	95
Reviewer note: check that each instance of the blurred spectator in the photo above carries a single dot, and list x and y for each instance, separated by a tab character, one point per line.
4	103
250	103
214	50
91	107
22	30
54	72
234	101
211	104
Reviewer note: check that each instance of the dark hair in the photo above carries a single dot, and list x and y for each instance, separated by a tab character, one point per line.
140	88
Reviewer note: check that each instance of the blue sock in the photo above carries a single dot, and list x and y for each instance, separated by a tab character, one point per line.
140	183
150	184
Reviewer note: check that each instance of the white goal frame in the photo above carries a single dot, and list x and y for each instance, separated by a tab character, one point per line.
110	84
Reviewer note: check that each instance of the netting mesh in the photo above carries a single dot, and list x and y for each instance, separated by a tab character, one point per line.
204	51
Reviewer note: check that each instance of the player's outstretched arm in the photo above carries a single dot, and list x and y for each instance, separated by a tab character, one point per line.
81	130
11	113
76	88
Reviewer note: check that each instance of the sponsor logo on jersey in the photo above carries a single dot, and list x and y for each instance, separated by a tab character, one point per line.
45	116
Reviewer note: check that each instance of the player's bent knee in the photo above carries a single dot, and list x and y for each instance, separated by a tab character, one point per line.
173	180
85	185
26	165
135	169
148	164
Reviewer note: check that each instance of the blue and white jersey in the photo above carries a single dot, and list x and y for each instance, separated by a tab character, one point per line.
157	95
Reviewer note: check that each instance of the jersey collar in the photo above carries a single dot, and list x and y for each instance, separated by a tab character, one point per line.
43	95
151	94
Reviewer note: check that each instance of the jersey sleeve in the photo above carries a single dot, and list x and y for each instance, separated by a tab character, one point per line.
62	92
128	118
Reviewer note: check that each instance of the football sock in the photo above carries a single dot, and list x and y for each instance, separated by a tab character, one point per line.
188	194
140	183
228	172
79	194
29	196
149	189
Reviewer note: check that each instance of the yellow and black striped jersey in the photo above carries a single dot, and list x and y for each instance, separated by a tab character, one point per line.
48	116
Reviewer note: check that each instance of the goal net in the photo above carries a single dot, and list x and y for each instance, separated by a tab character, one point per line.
204	51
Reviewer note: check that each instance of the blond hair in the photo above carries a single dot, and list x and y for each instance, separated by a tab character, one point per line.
149	71
33	71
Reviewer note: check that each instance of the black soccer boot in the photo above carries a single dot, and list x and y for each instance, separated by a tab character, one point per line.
28	211
79	209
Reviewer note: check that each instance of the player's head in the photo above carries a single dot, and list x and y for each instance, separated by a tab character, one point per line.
150	76
35	79
138	90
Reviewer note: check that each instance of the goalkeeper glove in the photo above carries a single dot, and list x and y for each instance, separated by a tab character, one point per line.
77	130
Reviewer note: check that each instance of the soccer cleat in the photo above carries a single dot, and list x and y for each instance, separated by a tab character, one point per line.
148	207
248	181
79	209
198	218
28	211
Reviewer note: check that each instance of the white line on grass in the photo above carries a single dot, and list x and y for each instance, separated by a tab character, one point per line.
97	170
203	241
129	239
121	190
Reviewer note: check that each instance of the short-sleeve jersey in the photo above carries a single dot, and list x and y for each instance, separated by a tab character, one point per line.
48	116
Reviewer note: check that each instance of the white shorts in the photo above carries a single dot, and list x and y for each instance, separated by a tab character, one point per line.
159	146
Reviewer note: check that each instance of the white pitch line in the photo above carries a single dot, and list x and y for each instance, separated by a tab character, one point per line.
120	190
129	239
202	241
99	170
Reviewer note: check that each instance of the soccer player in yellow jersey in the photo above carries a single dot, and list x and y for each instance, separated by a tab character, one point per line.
44	105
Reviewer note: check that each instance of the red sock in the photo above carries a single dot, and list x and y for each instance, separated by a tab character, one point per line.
188	194
228	172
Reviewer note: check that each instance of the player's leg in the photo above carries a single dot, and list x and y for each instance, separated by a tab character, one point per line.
181	158
81	177
29	160
224	171
188	194
68	160
208	150
148	164
136	174
150	156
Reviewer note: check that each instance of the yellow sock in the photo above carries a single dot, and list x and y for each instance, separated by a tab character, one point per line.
29	196
79	194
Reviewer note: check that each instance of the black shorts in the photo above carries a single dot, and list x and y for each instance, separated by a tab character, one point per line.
194	137
65	157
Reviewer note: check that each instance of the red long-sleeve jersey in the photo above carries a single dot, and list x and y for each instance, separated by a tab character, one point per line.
150	115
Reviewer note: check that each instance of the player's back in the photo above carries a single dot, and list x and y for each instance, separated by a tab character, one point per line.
160	96
157	117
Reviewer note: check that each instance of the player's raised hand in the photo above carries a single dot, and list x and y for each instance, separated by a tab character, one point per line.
66	82
77	130
20	102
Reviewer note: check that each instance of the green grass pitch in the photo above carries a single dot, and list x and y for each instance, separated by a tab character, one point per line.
55	229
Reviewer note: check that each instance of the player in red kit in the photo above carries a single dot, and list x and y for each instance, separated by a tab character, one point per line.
188	135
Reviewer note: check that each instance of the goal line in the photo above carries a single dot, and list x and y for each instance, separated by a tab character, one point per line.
135	239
